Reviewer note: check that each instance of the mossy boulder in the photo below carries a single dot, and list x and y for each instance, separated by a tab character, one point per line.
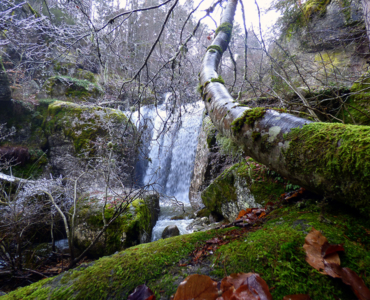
133	227
78	132
274	250
244	185
71	89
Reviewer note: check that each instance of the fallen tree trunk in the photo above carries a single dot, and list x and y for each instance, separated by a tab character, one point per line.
327	158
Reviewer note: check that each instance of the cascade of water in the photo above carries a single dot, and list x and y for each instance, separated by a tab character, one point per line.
170	147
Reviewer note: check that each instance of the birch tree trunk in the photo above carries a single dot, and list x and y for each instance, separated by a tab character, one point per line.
327	158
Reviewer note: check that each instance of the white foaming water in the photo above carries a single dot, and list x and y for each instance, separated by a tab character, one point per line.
171	146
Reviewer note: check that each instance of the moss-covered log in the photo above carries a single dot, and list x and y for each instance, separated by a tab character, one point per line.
329	159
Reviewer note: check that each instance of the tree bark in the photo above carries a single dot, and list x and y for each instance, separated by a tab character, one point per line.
366	10
327	158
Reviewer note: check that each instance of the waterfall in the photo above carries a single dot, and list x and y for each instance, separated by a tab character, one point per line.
169	143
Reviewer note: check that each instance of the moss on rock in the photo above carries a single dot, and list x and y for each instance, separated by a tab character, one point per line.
81	124
245	184
129	229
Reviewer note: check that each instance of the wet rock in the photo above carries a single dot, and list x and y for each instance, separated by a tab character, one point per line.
209	162
198	223
170	231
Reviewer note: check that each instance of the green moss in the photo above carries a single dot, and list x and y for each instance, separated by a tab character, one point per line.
250	116
276	252
335	151
215	47
218	79
226	28
118	275
86	75
263	186
124	232
229	147
81	124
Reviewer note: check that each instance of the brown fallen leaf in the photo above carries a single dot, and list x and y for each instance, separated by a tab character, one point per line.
197	287
314	242
329	248
245	286
351	278
297	297
323	256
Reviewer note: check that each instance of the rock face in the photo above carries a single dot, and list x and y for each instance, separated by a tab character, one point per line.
326	43
209	162
244	185
170	231
131	228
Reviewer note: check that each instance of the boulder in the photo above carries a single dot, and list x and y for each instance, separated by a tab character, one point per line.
170	231
75	133
244	185
133	227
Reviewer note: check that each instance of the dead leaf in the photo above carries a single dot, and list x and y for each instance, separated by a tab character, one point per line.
197	287
142	292
323	256
329	248
350	278
314	242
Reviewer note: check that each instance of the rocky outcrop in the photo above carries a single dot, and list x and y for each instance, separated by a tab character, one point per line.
133	227
244	185
209	162
68	88
326	43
